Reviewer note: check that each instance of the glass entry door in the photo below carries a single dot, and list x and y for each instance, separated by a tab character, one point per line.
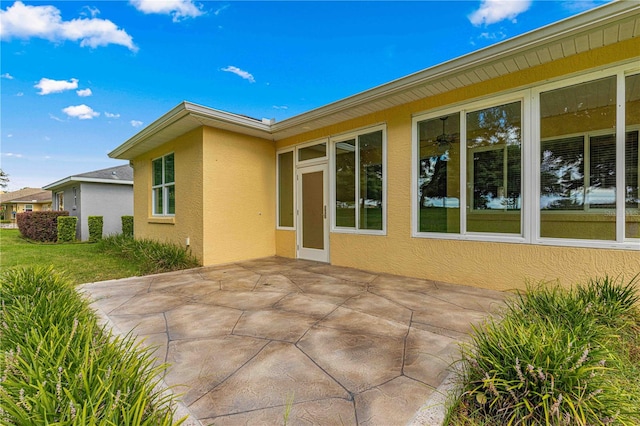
313	229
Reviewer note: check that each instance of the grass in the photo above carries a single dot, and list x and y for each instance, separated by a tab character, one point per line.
555	357
58	366
81	262
111	258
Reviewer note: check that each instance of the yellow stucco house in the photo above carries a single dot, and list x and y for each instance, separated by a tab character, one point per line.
23	200
516	162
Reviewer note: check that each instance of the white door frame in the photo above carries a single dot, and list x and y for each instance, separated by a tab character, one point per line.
321	255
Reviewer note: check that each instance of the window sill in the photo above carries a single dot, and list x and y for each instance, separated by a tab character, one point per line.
162	220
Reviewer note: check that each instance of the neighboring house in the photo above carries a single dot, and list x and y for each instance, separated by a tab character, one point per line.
107	193
515	162
23	200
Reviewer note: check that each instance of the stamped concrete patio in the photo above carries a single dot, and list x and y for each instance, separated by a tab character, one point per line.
339	346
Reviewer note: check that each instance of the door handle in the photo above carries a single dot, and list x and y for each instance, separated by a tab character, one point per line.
324	212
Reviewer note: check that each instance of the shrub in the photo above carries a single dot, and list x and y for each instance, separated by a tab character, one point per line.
127	226
67	229
40	226
153	256
95	228
60	367
554	359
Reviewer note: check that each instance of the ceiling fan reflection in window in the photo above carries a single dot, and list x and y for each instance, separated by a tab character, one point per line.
444	141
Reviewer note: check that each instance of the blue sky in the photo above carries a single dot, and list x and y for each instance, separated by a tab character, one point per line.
78	78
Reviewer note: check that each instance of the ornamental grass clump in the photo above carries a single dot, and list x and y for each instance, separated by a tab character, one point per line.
555	358
58	366
152	256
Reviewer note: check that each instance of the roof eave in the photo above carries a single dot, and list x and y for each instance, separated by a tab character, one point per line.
532	39
199	113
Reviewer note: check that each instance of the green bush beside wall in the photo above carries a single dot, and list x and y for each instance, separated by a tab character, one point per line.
67	228
127	226
95	228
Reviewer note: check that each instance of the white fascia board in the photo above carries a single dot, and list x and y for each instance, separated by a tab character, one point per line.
185	109
65	181
571	26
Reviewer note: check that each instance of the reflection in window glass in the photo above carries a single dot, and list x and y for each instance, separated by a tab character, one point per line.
438	174
370	149
311	152
562	174
163	188
285	189
494	169
578	161
346	184
632	162
359	175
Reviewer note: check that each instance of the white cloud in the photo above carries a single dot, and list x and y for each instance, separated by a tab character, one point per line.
84	92
7	76
110	115
20	94
47	85
11	154
53	117
136	123
9	135
178	9
25	21
280	107
82	112
492	11
237	71
221	9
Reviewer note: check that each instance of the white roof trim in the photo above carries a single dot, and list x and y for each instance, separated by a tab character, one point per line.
70	179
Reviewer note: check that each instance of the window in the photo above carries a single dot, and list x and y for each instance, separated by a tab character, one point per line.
439	174
632	160
359	182
494	178
312	152
578	161
60	201
28	207
285	189
479	170
163	186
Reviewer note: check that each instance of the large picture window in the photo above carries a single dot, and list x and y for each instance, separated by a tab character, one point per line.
439	174
163	186
479	171
359	182
578	161
494	169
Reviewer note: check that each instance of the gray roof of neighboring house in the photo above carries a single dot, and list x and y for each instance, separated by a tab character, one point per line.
26	195
122	175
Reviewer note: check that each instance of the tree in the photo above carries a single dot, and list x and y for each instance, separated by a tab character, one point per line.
4	179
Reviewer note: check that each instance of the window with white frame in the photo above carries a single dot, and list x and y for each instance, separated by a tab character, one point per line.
285	189
359	177
559	149
60	201
163	186
28	207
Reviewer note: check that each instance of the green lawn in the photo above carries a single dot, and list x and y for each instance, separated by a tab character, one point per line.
81	262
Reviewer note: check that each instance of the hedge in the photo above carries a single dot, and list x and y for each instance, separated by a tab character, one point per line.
40	226
67	229
127	226
95	228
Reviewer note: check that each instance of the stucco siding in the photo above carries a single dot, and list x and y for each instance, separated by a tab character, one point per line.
111	201
239	196
486	264
187	222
